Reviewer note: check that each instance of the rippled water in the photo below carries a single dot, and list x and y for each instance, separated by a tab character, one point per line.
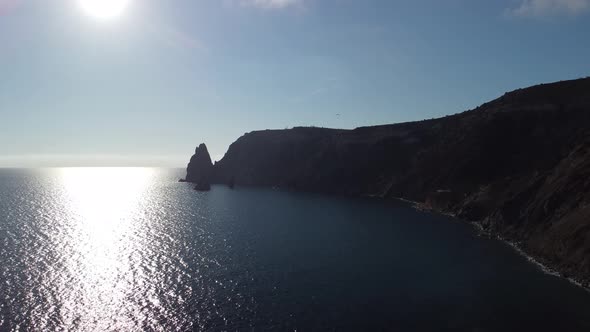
131	249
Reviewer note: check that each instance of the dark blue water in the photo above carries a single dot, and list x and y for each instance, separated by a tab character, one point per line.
132	249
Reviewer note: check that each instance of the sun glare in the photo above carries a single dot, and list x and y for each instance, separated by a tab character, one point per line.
104	9
102	224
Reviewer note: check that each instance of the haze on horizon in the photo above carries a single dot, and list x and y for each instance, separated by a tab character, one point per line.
143	82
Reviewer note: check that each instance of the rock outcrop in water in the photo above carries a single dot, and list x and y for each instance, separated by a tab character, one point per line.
519	165
200	168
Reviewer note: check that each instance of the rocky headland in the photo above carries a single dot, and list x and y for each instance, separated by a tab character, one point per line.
518	165
200	168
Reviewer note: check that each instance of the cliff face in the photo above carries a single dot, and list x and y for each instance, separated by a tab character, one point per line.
519	164
200	168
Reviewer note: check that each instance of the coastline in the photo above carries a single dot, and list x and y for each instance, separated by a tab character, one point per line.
545	267
527	185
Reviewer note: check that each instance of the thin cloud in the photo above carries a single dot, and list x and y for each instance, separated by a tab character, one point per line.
544	8
269	4
322	87
179	38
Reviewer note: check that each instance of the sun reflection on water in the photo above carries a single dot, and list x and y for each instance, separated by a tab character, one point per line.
117	249
104	204
104	199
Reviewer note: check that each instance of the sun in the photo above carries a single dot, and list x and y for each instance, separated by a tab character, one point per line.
104	9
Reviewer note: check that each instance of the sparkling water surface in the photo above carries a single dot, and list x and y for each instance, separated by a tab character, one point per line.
131	249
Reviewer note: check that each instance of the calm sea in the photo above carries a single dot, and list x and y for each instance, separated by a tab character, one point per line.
131	249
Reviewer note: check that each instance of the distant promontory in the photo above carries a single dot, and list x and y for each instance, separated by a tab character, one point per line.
518	165
199	169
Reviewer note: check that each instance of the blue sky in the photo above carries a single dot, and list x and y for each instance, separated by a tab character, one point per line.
146	87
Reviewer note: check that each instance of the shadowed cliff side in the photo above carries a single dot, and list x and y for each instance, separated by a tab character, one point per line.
519	164
200	168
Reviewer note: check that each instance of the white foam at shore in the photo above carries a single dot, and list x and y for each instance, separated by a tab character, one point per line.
546	269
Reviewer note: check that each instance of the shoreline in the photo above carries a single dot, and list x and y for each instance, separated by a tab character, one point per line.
547	269
544	267
419	206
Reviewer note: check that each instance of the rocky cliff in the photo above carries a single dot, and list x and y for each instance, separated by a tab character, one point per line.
520	165
200	168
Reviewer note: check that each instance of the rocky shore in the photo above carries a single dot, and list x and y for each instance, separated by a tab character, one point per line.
518	165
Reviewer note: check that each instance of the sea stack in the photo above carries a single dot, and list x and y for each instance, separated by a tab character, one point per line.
199	169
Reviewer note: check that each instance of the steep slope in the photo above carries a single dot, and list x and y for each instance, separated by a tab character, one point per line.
518	164
200	168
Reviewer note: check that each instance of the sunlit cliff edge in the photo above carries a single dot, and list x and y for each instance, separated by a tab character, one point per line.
519	165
